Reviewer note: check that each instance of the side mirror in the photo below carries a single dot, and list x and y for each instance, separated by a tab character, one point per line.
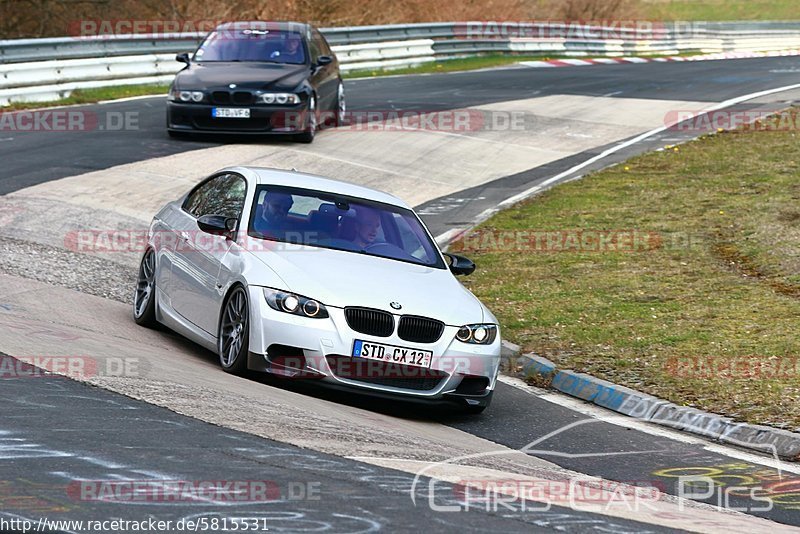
217	224
324	60
183	58
459	264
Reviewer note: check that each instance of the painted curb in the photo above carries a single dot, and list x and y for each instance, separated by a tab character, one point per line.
644	59
631	403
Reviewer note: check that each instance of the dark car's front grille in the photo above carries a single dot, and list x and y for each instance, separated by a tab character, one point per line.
220	97
385	373
420	329
242	98
371	322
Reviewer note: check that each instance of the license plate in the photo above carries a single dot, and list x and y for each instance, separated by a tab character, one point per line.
392	353
231	113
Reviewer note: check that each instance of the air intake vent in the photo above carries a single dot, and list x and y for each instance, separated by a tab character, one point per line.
371	322
420	329
385	373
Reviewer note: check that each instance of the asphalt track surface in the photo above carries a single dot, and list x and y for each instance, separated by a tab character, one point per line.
103	436
516	418
34	158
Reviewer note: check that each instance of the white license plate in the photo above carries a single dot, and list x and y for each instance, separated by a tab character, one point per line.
231	113
392	353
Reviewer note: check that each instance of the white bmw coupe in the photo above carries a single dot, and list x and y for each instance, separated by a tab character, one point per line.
310	278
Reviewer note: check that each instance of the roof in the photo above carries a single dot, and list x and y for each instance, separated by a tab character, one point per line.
264	25
266	176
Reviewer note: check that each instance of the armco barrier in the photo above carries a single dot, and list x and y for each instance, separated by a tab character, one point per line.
49	69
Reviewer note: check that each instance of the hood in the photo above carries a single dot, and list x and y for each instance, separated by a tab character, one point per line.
339	279
246	75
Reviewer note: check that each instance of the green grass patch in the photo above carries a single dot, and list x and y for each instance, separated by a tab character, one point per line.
91	96
702	310
451	65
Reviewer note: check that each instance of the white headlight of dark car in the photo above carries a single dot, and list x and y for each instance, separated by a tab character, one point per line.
303	276
278	98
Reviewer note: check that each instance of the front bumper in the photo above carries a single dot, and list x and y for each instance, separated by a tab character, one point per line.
296	347
264	120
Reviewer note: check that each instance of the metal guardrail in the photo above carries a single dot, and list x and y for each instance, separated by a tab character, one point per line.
48	69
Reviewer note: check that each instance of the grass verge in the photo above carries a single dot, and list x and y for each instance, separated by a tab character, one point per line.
91	96
700	306
451	65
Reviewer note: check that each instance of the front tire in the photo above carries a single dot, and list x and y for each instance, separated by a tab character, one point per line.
144	298
341	105
233	341
311	126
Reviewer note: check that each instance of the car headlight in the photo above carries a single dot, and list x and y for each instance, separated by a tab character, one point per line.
477	334
295	304
278	98
186	96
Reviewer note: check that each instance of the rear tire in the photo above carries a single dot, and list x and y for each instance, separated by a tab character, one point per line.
233	341
144	298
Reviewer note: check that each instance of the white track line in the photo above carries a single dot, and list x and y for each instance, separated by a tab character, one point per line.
645	427
727	103
639	138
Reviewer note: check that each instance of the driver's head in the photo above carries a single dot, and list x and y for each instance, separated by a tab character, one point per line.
368	222
292	44
277	206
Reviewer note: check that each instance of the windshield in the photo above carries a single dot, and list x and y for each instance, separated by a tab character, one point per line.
252	45
319	219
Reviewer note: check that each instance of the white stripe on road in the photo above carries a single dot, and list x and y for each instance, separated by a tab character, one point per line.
639	138
607	416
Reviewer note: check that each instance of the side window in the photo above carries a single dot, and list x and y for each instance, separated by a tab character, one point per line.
314	46
221	195
324	48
